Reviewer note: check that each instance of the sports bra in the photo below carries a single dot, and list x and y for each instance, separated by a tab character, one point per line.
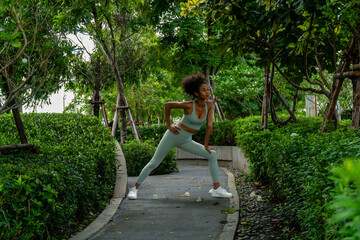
192	121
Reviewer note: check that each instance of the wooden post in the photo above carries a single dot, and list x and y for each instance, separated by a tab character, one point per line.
104	111
217	106
116	117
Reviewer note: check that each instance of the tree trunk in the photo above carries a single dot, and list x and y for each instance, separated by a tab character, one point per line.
356	103
97	88
123	131
266	99
330	114
291	112
19	126
116	116
149	118
137	114
120	89
18	121
96	103
274	116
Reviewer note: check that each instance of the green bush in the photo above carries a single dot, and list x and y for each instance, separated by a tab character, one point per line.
49	194
152	132
345	207
138	154
223	133
295	161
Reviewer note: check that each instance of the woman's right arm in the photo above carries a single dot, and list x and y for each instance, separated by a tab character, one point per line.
168	107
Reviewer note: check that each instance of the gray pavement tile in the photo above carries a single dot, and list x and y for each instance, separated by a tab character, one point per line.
170	217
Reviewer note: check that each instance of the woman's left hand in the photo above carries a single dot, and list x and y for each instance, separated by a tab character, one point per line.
207	148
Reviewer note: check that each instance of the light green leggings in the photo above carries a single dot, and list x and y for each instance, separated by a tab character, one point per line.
184	141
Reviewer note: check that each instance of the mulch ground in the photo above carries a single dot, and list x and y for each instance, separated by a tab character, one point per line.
257	217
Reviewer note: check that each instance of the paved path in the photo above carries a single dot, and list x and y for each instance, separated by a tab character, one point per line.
168	215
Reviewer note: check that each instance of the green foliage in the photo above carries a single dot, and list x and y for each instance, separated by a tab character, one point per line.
138	154
49	194
152	132
223	133
240	89
34	53
295	161
344	222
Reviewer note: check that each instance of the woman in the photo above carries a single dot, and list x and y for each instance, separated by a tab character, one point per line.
195	114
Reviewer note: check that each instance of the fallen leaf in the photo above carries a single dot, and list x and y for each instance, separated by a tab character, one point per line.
228	211
187	194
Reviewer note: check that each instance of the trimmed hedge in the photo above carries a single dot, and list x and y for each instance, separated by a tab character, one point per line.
223	133
49	194
152	132
138	154
296	161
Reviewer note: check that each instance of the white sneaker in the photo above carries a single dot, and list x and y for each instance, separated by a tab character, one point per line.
133	194
220	193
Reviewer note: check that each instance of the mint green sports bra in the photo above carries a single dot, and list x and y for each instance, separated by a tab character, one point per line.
192	121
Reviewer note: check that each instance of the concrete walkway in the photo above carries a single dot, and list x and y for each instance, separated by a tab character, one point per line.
162	213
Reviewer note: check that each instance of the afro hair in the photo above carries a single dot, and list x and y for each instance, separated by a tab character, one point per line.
192	83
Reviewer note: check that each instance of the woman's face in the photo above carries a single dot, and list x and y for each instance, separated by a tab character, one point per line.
203	92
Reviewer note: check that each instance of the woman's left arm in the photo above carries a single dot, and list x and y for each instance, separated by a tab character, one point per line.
209	125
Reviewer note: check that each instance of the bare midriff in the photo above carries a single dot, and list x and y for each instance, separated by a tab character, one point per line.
190	130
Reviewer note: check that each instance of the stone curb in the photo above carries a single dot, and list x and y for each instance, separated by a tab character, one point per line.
230	227
120	192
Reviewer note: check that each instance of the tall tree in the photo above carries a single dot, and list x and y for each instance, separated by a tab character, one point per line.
108	23
196	43
298	39
33	55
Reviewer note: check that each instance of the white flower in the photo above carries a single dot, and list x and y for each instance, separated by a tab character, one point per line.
155	196
24	60
259	199
97	4
294	135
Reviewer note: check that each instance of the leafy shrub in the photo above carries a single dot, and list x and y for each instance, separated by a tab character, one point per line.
152	132
138	154
345	206
295	161
48	195
223	133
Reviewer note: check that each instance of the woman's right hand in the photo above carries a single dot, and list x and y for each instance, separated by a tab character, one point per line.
174	129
